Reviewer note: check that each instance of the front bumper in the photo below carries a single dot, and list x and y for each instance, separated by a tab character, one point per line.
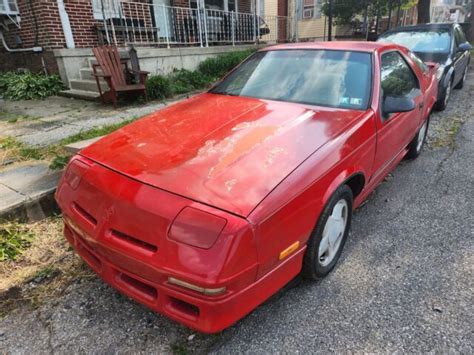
202	313
120	226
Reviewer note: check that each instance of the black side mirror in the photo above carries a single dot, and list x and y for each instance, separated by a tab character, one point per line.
392	104
466	46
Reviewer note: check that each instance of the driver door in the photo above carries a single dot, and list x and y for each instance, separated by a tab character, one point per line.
396	130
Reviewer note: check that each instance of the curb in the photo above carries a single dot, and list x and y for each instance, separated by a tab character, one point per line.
27	192
32	209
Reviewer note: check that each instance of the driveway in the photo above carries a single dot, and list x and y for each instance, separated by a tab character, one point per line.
405	281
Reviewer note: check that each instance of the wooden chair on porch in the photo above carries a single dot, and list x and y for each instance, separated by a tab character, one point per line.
112	71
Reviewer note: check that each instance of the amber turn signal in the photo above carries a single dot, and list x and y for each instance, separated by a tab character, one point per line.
204	291
292	248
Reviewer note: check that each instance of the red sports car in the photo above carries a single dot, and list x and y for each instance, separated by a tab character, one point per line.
203	210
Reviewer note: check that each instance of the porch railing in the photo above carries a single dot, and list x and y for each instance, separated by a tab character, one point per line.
158	25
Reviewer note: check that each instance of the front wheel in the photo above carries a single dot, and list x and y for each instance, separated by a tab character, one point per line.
328	238
415	146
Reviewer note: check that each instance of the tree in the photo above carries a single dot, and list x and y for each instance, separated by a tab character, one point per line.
344	11
423	9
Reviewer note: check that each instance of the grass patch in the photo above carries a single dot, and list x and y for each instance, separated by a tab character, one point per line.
95	132
48	264
447	132
12	149
14	239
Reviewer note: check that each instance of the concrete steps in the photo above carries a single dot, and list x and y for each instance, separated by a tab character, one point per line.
87	85
86	74
80	94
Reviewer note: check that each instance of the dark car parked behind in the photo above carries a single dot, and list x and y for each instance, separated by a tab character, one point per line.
443	43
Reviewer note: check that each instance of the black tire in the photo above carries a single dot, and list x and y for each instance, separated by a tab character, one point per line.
442	102
460	85
414	149
312	268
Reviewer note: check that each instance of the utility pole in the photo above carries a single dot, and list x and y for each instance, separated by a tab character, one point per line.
330	21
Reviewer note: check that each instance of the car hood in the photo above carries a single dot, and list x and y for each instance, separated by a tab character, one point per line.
225	151
440	58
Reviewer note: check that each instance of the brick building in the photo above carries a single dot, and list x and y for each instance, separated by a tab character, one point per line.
56	24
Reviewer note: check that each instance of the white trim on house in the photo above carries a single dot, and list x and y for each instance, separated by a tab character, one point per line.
66	25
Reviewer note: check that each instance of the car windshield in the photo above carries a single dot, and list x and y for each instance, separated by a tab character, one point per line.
316	77
435	41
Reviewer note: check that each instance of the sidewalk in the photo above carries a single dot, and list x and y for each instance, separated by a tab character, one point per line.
45	122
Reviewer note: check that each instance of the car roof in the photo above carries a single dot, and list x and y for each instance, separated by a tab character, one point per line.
360	46
424	26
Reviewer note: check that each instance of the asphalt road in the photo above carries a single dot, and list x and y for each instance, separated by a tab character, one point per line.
405	281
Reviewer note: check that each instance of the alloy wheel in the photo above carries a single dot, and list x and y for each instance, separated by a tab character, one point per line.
421	136
333	233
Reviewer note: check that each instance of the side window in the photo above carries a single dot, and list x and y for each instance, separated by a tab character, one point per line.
397	78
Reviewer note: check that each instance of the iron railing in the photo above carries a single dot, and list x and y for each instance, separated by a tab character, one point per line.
136	23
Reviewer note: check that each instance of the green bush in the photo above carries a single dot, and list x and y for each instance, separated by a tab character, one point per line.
220	65
183	81
29	86
158	87
5	78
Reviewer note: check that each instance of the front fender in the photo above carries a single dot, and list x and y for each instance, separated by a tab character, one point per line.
447	78
343	176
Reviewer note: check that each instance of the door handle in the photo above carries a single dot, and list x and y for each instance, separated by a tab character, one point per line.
420	106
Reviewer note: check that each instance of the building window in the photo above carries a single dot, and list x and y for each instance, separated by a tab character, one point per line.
311	9
9	7
109	8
